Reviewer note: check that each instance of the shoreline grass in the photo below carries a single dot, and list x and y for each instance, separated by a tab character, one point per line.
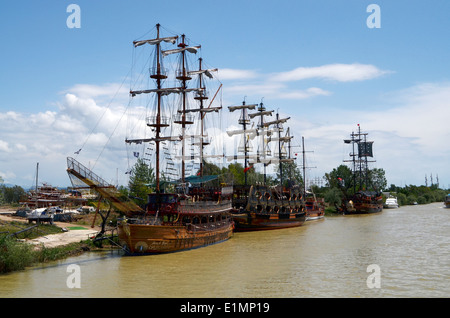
16	255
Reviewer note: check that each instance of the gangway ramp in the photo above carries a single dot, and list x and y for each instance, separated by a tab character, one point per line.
106	190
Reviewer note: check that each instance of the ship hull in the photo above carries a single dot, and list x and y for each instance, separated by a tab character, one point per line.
260	221
390	206
314	216
363	203
364	208
176	226
314	209
139	239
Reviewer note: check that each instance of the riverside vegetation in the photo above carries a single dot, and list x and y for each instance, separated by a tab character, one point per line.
16	255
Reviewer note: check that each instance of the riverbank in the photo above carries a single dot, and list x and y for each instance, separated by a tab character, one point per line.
72	232
19	253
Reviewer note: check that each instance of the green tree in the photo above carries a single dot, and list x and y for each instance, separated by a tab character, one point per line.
333	197
377	178
340	177
402	199
291	173
12	194
142	179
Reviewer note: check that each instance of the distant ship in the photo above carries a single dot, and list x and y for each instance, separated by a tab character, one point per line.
260	206
363	200
447	201
391	203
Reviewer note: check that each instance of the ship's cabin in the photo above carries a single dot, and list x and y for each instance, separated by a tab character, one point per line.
165	200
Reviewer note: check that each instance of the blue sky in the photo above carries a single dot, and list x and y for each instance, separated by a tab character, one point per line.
316	61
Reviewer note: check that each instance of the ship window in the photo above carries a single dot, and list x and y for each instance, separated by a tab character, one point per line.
186	220
204	220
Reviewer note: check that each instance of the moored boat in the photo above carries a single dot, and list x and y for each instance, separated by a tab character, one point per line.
191	212
260	206
364	202
361	201
314	208
177	223
268	208
447	201
191	216
391	203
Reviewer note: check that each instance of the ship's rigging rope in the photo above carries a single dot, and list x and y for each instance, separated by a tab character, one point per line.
138	77
101	117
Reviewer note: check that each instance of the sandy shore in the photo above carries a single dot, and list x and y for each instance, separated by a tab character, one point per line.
53	240
64	238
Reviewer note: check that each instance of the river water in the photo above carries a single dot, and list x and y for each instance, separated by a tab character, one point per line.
402	252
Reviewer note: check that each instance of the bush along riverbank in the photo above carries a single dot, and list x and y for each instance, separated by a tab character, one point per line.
17	252
16	255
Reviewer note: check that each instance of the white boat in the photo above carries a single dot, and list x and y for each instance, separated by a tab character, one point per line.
391	203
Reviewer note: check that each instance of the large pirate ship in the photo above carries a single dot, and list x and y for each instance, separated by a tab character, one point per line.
259	206
185	212
365	198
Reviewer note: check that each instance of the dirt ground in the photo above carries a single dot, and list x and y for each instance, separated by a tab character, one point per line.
54	240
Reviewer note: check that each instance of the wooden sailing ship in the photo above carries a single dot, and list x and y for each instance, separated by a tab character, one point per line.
260	206
181	213
363	200
193	214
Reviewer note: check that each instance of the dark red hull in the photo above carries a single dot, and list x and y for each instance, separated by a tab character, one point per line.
261	221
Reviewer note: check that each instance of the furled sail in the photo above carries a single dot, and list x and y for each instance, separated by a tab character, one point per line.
250	132
206	72
278	121
166	91
264	113
204	110
233	108
190	49
139	141
170	39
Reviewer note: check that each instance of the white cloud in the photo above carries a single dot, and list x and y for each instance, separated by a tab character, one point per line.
262	89
49	137
283	85
335	72
4	146
307	93
95	91
233	74
410	135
